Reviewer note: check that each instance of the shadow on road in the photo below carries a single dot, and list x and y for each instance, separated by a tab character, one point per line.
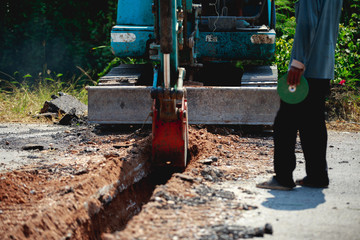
299	199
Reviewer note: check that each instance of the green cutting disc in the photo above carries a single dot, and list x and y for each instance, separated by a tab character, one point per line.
292	94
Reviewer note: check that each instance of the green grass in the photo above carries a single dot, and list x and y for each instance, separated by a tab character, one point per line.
21	101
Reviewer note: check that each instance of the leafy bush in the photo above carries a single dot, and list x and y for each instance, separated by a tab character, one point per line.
347	55
38	35
285	31
285	20
20	101
344	101
63	36
283	53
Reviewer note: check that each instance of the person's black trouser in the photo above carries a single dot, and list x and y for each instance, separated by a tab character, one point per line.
307	117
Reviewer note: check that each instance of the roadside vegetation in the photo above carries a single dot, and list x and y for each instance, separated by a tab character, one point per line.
344	100
61	37
21	101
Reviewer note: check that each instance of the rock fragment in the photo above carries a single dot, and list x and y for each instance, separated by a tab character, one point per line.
211	174
33	146
69	117
66	190
209	161
232	232
111	154
64	104
73	110
184	177
80	171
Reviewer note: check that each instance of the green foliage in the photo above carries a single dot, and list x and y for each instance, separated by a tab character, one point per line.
344	101
72	39
283	53
285	31
347	54
349	8
285	20
38	35
20	101
345	98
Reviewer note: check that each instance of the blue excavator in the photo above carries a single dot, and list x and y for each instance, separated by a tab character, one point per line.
189	52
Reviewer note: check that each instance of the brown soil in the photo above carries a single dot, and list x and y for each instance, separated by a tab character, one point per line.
92	193
343	126
191	203
51	201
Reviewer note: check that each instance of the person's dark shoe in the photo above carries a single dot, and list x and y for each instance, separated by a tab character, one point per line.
306	183
273	184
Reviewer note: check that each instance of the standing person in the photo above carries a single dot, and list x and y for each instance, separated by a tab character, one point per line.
313	55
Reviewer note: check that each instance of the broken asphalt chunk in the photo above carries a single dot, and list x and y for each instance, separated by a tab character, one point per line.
32	146
209	160
64	104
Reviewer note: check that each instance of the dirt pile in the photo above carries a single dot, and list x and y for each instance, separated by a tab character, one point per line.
55	199
193	205
89	190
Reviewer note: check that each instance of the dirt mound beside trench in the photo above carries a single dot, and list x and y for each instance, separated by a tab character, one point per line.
72	198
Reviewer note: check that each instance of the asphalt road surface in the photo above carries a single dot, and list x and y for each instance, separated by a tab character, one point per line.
309	213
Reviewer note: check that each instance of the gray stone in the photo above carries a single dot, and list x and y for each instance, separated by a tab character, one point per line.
268	228
69	117
210	172
225	194
80	171
33	146
64	104
89	149
231	232
163	194
184	177
66	190
207	161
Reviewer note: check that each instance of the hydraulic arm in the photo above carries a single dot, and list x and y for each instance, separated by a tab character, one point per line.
169	110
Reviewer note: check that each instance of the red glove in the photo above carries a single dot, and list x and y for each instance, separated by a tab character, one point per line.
294	76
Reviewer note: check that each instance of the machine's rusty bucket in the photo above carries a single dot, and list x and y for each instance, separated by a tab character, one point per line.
170	138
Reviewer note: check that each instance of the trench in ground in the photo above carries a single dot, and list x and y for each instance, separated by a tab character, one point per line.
114	216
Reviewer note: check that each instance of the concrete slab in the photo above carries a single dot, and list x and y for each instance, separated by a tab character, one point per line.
206	105
255	102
